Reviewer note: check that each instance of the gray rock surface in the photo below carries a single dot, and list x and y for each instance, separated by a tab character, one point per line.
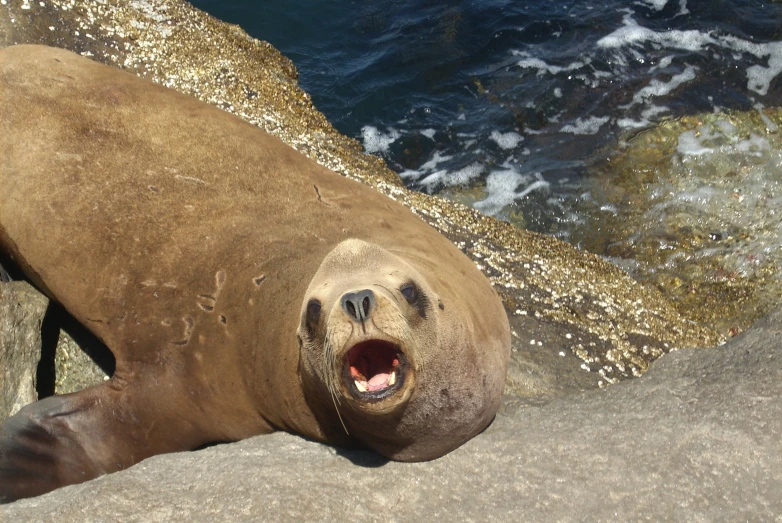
697	438
21	313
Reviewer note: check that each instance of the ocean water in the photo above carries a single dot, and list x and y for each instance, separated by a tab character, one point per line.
509	106
517	97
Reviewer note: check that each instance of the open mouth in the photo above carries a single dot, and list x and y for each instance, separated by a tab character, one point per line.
374	369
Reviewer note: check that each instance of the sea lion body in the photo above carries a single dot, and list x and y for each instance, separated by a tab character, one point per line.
187	241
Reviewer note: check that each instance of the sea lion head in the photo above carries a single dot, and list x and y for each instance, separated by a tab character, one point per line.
388	347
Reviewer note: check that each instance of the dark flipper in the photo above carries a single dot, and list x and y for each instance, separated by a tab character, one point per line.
41	448
64	440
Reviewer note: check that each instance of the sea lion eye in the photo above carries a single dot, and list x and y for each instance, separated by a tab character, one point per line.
313	311
409	291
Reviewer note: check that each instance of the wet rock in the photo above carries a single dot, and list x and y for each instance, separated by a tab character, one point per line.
698	438
22	310
615	326
30	333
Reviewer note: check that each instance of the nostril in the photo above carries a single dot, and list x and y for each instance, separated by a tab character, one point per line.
359	304
365	303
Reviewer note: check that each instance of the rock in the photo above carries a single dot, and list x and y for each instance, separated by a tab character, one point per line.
30	332
21	314
698	438
74	368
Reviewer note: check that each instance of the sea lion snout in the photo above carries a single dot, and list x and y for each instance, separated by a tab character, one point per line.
359	305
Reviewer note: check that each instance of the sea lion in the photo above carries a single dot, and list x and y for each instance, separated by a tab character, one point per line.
242	287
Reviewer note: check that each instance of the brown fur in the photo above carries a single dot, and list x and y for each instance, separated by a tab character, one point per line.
189	242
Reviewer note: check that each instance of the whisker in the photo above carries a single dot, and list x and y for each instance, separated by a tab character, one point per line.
331	370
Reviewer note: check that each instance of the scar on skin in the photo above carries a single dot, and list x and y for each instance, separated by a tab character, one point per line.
219	281
208	304
320	199
209	301
188	332
190	179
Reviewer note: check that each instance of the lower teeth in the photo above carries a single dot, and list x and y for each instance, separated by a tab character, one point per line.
360	385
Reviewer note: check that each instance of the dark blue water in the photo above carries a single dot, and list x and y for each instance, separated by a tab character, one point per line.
517	99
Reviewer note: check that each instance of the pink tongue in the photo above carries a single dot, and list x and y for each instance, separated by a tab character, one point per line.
378	381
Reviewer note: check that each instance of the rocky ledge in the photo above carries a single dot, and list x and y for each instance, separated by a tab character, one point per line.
697	438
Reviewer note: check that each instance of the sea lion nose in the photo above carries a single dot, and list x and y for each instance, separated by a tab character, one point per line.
359	305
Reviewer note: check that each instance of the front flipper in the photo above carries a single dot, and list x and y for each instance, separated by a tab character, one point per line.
42	446
63	440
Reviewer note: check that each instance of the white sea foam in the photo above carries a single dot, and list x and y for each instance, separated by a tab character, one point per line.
646	115
459	177
657	88
691	143
429	133
427	167
726	127
589	125
529	62
754	145
770	126
376	141
502	185
658	5
507	140
432	174
706	139
631	34
758	77
664	62
435	160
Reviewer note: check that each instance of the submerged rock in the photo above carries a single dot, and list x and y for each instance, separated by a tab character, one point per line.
692	207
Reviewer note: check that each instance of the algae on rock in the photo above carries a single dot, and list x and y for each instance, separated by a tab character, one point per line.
693	209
